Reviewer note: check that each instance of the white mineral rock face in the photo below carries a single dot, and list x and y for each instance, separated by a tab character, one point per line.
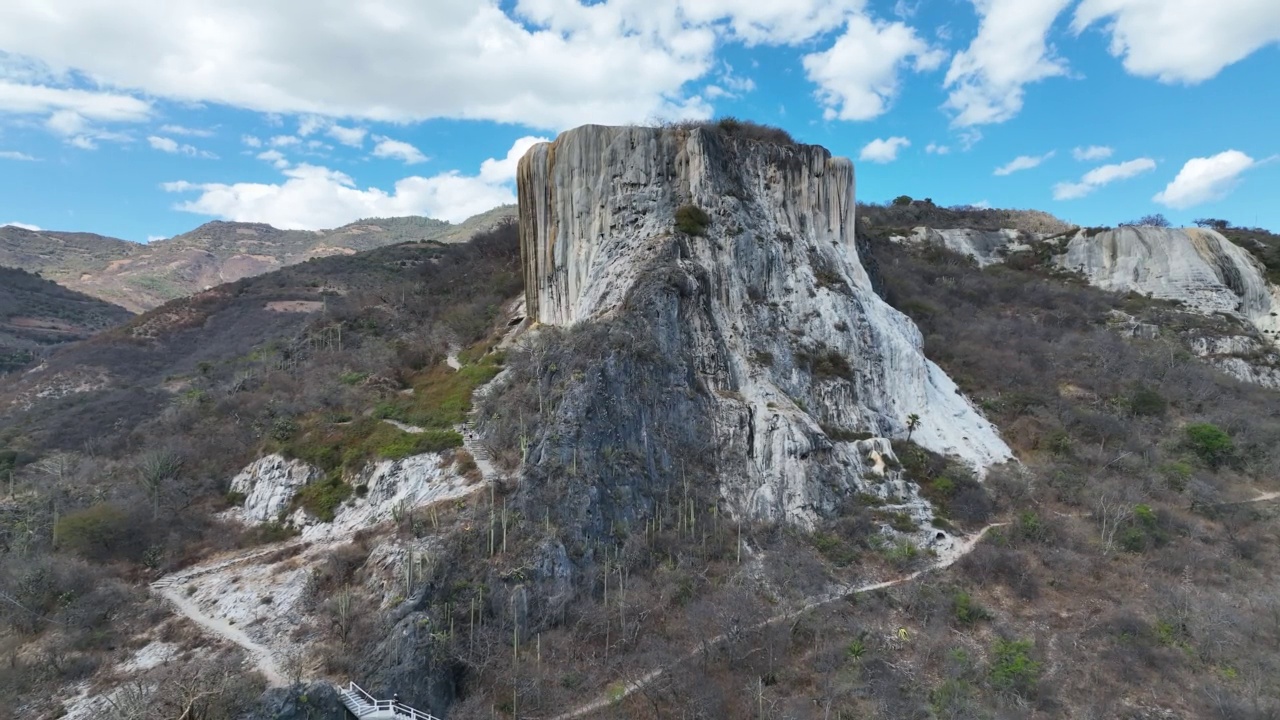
269	485
780	284
1198	267
383	488
986	246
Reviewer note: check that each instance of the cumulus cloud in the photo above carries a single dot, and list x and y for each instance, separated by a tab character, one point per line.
883	151
397	150
1186	41
858	77
1205	179
311	197
284	140
936	149
275	157
1023	162
251	141
1091	153
15	155
546	63
173	147
1100	176
499	171
24	226
353	137
986	80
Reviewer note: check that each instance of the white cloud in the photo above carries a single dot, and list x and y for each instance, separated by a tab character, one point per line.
883	151
1092	153
182	130
67	122
1100	176
15	155
312	197
857	77
42	100
284	140
169	145
1185	41
986	80
1023	162
24	226
546	63
1206	179
251	141
154	238
397	150
310	124
936	149
504	170
353	137
163	144
275	157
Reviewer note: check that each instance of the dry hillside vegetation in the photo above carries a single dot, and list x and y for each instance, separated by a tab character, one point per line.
1129	578
105	489
37	315
141	277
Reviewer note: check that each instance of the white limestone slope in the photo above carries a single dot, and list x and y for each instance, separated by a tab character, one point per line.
779	282
987	247
1195	266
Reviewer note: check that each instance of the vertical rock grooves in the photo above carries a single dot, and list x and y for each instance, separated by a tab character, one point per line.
760	324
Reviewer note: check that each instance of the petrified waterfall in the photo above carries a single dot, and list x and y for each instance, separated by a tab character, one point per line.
766	302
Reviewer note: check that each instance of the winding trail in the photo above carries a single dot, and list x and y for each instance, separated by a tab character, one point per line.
259	654
946	559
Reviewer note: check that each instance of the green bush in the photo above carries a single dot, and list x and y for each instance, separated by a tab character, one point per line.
692	220
1176	475
1210	443
965	611
1012	669
902	200
321	499
98	531
1147	402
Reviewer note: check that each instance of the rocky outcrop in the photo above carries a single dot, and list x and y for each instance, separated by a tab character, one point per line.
987	247
268	486
1200	269
736	261
382	489
1197	267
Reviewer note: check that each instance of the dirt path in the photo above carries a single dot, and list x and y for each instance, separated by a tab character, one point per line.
945	559
260	655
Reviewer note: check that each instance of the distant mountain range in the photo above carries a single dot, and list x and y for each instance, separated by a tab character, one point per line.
38	314
141	277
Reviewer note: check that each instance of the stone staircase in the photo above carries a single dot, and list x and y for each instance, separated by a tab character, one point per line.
367	707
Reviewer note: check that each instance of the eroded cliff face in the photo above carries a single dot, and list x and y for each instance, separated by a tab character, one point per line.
771	336
1199	268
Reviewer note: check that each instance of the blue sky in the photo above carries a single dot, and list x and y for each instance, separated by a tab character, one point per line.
141	119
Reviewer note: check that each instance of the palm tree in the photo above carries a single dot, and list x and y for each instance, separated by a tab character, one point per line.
913	422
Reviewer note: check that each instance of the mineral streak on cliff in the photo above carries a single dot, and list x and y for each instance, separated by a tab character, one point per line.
766	301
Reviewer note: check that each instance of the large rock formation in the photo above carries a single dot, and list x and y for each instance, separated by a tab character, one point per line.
1200	269
736	260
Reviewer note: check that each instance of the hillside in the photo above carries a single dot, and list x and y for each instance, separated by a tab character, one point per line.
691	440
38	315
141	277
